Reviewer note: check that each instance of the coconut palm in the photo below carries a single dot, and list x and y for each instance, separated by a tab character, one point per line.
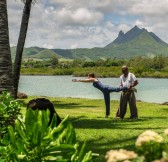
6	81
21	42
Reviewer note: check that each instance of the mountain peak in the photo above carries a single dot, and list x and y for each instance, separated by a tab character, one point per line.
135	27
121	33
132	35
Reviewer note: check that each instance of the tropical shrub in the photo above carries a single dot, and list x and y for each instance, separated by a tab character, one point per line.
150	147
89	64
34	141
9	110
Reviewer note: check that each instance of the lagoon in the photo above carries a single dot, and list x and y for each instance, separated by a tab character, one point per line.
149	89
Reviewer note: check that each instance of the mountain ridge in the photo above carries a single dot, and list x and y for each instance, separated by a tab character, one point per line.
131	35
133	43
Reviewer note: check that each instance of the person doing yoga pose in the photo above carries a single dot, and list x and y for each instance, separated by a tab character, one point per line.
105	89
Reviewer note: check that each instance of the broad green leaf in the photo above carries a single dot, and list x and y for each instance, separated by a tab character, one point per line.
60	148
75	155
82	152
19	130
71	136
11	135
53	121
36	138
30	120
45	120
88	157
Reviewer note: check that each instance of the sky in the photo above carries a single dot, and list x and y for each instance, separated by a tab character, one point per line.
69	24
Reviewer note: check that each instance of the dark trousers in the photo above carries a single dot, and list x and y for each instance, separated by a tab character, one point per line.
106	92
127	97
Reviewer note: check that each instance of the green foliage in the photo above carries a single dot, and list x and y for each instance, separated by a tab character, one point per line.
89	64
54	61
9	111
150	146
33	140
152	150
63	72
140	66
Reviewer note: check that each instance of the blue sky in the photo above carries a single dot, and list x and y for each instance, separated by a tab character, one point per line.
86	23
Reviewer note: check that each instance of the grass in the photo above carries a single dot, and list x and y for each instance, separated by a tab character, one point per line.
103	134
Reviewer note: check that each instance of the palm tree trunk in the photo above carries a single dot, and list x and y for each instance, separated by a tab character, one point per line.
6	81
20	44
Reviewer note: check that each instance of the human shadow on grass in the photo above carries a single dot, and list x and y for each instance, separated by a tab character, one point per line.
86	123
62	105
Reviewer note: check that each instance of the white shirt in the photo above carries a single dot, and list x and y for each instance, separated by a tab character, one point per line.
127	81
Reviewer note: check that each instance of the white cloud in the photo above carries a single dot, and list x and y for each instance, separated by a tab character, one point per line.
124	27
80	16
73	46
90	23
139	23
151	8
49	46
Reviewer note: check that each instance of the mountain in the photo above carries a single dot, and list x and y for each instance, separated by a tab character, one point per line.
134	34
138	42
135	42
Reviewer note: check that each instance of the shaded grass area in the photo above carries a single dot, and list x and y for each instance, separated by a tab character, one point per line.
103	134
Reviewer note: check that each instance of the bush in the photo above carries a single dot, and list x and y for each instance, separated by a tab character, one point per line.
150	147
9	110
89	64
63	72
32	140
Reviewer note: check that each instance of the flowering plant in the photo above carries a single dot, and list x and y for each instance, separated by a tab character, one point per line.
150	147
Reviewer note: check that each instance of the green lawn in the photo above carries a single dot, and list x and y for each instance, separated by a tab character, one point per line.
103	134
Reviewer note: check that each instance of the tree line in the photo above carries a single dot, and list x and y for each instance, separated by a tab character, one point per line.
155	63
141	66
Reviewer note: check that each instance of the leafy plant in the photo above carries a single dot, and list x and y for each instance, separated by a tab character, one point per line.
149	148
33	140
9	110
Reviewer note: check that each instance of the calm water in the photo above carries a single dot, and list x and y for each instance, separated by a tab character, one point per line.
149	90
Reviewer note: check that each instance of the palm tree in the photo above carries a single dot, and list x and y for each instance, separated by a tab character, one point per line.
21	42
6	81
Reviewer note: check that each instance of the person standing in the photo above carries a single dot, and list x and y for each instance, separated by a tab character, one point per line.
127	96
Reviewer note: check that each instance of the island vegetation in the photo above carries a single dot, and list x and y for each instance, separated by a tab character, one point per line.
156	67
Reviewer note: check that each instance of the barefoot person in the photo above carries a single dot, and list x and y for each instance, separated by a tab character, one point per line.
105	89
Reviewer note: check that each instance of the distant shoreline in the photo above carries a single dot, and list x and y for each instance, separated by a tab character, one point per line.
85	76
101	72
139	101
